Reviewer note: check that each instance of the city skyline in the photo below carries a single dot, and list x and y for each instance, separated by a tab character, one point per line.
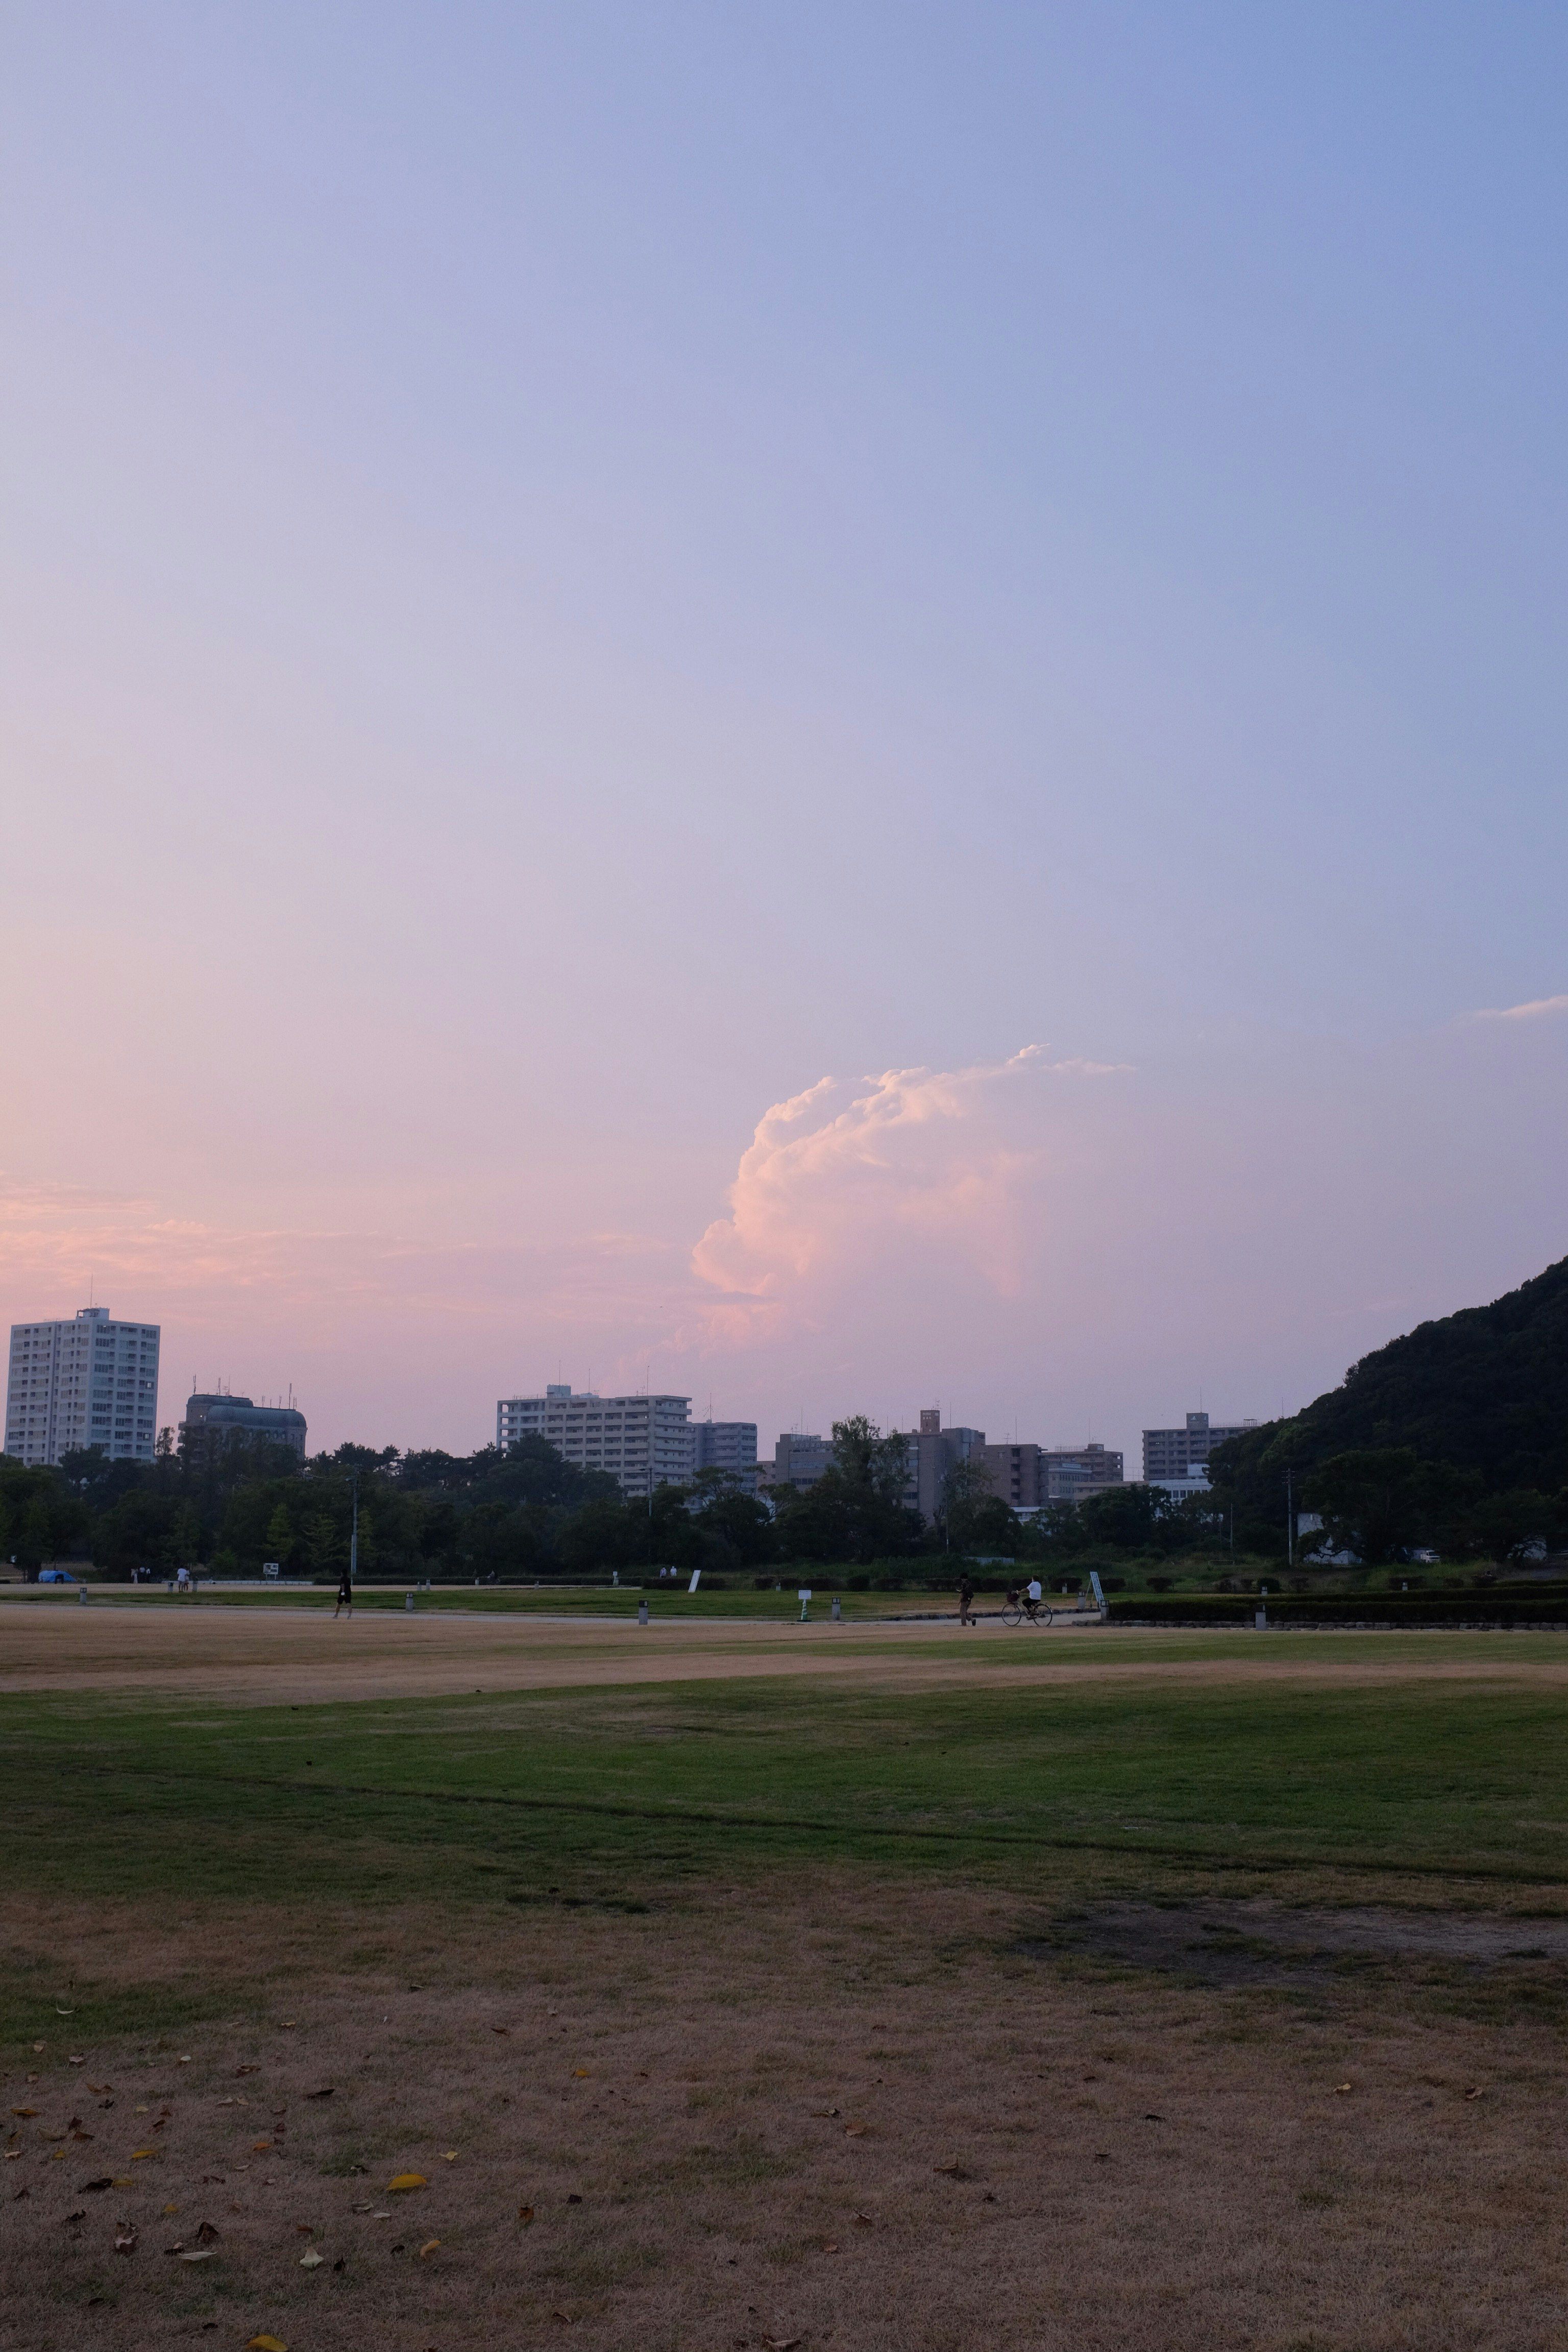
851	711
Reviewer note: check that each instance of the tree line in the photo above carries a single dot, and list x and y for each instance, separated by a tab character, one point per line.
524	1512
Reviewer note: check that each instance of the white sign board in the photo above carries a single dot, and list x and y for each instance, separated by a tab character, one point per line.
803	1592
269	1568
1094	1579
695	1574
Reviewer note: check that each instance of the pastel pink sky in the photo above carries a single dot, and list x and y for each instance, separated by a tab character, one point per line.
846	710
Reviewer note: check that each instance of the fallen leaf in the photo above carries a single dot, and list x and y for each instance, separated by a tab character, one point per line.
782	2342
123	2181
253	2069
865	2220
126	2244
953	2171
80	2215
13	2156
525	2214
506	2029
579	2074
137	2154
58	2156
38	2046
407	2181
450	2157
830	2246
265	2343
206	2235
428	2248
288	2021
179	2062
204	2255
1153	2119
564	2317
259	2146
855	2131
310	2259
574	2198
99	2090
168	2209
104	2180
63	2012
1476	2093
1342	2086
82	2062
824	2111
23	2111
324	2093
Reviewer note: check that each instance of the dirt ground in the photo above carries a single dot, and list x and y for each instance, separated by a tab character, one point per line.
852	2115
273	1656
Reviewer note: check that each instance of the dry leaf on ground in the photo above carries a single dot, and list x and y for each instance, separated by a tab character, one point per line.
428	2248
407	2180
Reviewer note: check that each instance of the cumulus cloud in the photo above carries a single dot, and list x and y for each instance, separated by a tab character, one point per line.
1534	1010
944	1163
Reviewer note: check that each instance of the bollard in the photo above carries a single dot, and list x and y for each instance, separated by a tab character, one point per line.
837	1609
81	1592
1260	1619
408	1600
642	1612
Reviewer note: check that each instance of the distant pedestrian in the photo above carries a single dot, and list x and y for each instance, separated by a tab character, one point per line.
965	1600
183	1582
345	1595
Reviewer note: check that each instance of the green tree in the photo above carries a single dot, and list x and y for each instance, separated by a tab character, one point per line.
280	1536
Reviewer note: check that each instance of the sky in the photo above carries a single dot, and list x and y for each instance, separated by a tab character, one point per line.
841	708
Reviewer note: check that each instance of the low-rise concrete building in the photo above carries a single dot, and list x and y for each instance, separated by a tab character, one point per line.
214	1424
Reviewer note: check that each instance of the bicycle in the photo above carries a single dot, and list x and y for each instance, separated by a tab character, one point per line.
1026	1612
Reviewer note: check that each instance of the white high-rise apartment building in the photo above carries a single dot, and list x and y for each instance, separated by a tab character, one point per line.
644	1441
91	1381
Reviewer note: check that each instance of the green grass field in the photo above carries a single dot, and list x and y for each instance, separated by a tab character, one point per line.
622	1789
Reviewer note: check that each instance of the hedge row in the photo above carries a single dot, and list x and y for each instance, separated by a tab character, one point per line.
1395	1609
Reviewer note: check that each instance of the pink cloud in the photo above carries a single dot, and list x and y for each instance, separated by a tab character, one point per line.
946	1164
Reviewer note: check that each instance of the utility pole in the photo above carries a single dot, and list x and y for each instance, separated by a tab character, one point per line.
353	1532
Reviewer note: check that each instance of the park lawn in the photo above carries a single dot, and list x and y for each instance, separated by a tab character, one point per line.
600	1601
745	2013
626	1789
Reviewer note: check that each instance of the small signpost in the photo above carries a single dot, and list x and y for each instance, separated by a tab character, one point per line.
408	1600
642	1612
1099	1595
270	1568
837	1610
802	1594
696	1574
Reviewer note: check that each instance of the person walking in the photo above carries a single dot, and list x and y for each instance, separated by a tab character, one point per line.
965	1599
345	1595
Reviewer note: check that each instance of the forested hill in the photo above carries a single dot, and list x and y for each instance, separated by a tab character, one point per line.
1484	1391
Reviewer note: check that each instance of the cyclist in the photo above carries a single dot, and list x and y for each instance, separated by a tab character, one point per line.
1032	1596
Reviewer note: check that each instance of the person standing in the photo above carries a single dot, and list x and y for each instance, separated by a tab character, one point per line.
965	1599
345	1595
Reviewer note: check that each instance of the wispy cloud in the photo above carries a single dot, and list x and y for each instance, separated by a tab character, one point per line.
1535	1011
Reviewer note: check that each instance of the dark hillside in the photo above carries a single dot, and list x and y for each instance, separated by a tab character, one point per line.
1484	1391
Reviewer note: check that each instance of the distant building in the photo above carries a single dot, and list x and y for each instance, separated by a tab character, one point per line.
729	1445
797	1461
214	1424
1175	1452
1028	1477
644	1441
91	1381
932	1453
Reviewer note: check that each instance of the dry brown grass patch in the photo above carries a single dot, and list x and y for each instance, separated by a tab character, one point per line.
854	2115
